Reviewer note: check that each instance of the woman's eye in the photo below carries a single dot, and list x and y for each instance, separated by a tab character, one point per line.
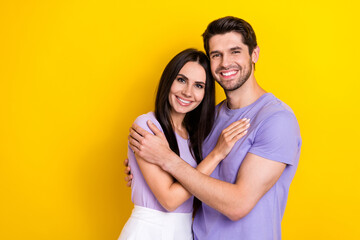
179	79
200	86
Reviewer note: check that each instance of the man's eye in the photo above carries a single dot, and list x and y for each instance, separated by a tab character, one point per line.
215	56
236	52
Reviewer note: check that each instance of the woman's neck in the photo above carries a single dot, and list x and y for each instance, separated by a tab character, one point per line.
177	121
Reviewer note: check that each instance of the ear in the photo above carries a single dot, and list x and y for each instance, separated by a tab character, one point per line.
255	54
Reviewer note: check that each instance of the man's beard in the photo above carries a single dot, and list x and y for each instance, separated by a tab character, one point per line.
244	76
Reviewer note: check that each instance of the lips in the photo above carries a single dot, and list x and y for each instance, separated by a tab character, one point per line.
229	74
183	102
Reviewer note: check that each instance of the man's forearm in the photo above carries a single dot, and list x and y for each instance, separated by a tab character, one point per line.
222	196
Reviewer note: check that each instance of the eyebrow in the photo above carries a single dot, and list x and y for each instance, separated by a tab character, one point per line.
182	75
231	49
186	78
212	52
235	48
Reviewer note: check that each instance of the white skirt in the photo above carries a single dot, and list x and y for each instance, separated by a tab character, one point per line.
149	224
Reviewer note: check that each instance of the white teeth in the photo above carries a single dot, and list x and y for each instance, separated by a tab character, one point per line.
228	73
182	100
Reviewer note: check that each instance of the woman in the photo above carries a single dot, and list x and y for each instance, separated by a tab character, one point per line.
184	111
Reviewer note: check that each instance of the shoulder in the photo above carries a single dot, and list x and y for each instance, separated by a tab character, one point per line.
277	114
282	117
142	121
276	133
144	117
278	138
276	122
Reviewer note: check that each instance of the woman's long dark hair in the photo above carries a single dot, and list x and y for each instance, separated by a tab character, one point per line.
199	121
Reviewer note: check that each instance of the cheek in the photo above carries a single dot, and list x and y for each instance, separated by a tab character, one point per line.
175	87
200	96
213	68
171	93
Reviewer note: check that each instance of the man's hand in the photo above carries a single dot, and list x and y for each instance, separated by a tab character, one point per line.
127	171
152	148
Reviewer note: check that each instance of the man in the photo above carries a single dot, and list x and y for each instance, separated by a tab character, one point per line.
245	196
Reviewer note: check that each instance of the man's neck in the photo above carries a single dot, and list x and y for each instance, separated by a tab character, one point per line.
248	93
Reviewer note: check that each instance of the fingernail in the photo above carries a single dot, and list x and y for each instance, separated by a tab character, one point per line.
247	125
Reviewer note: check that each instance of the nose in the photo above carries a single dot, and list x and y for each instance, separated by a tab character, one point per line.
225	61
186	91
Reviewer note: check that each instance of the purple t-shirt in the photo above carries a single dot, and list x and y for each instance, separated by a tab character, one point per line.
274	134
141	194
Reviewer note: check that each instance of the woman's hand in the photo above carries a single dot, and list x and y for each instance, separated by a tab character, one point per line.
229	136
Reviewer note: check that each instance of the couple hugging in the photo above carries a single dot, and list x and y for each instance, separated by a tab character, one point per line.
237	158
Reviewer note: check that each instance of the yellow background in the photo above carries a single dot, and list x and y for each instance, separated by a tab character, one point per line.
75	74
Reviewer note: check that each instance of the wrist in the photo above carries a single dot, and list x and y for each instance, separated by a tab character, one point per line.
169	161
217	156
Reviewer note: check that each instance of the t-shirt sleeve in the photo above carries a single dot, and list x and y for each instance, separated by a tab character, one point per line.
142	121
278	138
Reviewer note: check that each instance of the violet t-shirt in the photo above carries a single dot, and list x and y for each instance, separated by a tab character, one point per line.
274	134
141	194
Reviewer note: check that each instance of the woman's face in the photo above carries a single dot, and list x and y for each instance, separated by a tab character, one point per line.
188	89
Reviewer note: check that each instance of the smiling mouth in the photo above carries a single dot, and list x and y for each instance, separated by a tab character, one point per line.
183	101
228	74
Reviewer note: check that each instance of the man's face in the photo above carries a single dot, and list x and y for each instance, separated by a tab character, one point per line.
231	64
